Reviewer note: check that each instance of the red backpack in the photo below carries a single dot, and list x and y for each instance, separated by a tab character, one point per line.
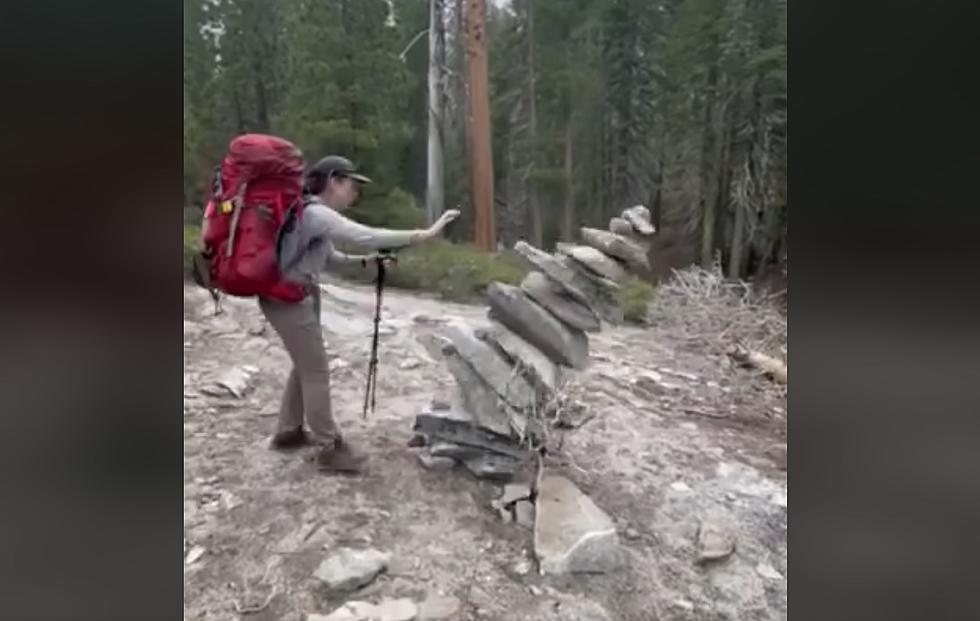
259	181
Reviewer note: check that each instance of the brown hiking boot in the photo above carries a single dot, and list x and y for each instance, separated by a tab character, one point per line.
290	439
339	458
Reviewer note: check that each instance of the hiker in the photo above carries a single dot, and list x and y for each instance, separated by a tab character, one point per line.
303	250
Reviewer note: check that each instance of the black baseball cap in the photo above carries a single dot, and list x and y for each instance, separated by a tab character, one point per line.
336	165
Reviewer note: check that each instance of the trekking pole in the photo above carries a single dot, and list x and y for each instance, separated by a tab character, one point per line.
372	374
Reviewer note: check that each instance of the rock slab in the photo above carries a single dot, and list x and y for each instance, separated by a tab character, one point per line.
492	467
595	260
616	246
459	427
387	610
542	290
436	463
488	409
513	308
639	219
545	372
438	607
571	534
490	366
351	569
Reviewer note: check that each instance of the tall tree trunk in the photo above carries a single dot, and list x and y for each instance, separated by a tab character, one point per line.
434	189
568	221
709	164
534	207
481	162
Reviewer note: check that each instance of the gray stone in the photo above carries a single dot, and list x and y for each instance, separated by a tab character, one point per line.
594	260
492	467
599	291
402	609
542	290
351	569
418	440
715	542
524	513
459	452
436	463
620	226
572	534
551	267
544	371
386	610
488	409
460	428
616	246
514	492
513	308
639	219
437	607
490	366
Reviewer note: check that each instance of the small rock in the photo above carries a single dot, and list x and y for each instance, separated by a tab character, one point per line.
768	571
492	467
522	568
621	226
524	513
350	569
535	590
632	533
572	534
337	364
194	555
514	492
439	405
505	515
639	219
434	463
409	364
680	486
730	496
237	381
616	246
418	440
402	609
715	542
436	607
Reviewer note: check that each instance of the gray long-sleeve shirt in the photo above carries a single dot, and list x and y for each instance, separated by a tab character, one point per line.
305	250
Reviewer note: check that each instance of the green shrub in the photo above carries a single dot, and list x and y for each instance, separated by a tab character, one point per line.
456	272
395	210
192	245
634	297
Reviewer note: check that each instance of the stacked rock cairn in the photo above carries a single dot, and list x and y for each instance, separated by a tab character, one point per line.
510	372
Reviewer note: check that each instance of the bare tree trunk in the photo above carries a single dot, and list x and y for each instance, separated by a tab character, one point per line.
481	161
434	190
534	207
708	182
568	221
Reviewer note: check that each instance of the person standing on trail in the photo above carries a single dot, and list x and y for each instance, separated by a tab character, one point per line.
303	250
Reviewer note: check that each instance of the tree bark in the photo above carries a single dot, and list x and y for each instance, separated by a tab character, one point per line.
434	189
568	221
481	162
534	207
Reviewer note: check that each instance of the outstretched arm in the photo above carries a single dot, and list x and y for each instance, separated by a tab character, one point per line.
345	231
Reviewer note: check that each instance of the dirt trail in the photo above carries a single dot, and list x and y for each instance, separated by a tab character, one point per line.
689	444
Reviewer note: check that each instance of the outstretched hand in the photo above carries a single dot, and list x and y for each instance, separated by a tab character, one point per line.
447	217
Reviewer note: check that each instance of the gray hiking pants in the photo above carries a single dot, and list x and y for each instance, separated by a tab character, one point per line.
308	387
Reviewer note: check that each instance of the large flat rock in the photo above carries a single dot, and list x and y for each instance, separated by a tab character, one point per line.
594	260
497	372
545	372
562	275
600	292
545	292
489	410
571	534
526	318
616	246
459	427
